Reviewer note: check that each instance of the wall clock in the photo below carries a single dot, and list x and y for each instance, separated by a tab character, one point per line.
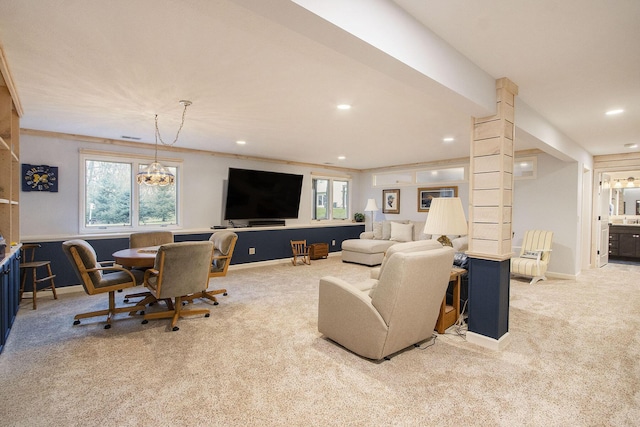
39	178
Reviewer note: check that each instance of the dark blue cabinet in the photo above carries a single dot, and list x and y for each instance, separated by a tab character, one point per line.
9	294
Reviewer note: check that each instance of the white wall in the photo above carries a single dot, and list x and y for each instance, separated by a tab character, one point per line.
56	215
552	202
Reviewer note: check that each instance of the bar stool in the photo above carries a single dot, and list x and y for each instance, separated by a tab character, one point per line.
28	256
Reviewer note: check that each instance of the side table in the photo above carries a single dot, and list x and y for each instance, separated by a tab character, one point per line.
449	314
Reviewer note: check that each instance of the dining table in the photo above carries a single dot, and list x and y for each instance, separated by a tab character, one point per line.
136	257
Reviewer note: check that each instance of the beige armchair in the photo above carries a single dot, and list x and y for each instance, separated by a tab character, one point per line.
180	269
90	272
534	255
401	310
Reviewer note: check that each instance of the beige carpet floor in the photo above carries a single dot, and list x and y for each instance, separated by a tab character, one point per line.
573	360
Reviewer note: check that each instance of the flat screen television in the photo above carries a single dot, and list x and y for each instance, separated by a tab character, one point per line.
257	195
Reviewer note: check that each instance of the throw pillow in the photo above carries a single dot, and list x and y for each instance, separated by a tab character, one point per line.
386	227
401	232
531	254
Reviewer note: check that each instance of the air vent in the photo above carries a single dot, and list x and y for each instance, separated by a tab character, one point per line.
135	138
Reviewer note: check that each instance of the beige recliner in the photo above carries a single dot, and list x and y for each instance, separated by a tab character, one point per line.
401	310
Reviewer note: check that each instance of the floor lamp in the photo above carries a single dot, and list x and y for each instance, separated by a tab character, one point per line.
446	216
371	207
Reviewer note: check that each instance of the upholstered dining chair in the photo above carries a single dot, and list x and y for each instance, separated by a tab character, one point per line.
90	272
224	243
400	311
180	269
145	239
534	257
300	250
150	238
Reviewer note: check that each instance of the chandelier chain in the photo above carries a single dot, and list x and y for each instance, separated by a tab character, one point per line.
184	112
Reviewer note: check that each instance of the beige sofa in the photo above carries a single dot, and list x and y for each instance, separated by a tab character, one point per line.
383	316
369	249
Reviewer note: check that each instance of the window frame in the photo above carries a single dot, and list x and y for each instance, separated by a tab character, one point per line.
135	160
329	197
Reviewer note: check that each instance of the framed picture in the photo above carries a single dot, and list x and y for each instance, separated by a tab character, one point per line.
425	195
391	201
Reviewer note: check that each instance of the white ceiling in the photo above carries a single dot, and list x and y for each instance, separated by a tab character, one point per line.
104	69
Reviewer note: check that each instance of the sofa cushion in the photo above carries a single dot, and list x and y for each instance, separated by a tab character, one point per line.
377	230
366	246
418	231
401	232
460	244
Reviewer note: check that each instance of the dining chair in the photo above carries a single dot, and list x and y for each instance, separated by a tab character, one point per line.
150	238
180	269
224	243
90	272
145	239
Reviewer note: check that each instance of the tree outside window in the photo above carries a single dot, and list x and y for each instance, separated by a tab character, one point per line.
113	199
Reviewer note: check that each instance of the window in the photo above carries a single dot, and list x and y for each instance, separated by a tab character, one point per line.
331	198
435	175
113	200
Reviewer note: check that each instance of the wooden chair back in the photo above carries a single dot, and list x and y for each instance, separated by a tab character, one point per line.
300	250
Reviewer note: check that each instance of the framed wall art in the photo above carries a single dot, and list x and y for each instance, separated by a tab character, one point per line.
425	195
391	201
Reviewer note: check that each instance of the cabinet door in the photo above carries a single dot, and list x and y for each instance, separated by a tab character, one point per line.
4	304
627	244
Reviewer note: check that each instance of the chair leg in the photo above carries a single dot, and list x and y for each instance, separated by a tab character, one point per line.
110	312
176	313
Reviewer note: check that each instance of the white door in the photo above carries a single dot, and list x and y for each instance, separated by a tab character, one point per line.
604	203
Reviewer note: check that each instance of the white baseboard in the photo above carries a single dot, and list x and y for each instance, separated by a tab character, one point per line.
272	262
490	343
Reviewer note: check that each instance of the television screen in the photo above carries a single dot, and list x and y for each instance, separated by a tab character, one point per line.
253	194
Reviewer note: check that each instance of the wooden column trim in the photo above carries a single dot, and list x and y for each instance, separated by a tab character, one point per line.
491	178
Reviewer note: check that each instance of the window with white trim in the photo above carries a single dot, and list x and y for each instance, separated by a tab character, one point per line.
331	198
112	200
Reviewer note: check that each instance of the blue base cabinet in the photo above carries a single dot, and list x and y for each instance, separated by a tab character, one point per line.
9	294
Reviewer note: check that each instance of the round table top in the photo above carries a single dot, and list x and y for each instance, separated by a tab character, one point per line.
136	257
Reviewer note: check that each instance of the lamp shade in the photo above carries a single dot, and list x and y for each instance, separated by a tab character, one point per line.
371	205
446	216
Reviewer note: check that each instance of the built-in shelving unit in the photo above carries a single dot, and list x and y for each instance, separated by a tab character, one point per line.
10	112
9	157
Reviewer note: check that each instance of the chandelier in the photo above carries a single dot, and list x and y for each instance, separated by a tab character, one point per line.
156	174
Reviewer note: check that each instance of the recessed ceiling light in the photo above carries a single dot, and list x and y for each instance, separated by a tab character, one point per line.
448	139
241	142
344	107
341	157
632	145
614	112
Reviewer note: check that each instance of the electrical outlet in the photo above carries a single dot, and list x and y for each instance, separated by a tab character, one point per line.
333	243
252	251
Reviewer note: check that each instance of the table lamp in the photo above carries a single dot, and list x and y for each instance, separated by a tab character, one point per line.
446	216
371	207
